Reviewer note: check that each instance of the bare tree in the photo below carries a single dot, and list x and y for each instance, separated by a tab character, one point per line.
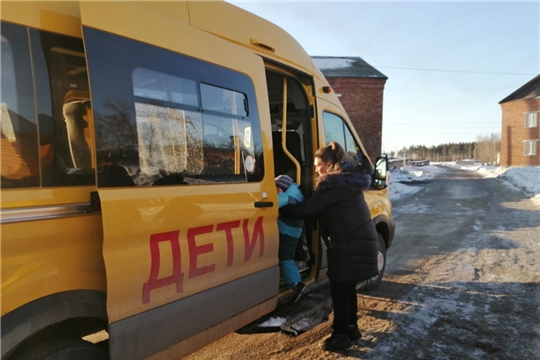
488	148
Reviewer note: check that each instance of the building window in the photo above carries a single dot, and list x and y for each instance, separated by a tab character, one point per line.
531	119
531	147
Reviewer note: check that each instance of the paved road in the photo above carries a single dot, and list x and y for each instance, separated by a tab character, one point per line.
462	282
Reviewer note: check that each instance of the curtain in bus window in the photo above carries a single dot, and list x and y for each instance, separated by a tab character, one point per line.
169	140
19	141
228	148
183	146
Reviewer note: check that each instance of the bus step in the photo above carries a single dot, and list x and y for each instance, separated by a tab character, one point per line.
294	318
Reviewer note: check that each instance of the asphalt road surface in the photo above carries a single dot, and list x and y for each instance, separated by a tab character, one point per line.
462	282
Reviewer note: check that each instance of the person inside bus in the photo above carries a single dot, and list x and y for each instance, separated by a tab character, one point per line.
110	174
349	233
290	231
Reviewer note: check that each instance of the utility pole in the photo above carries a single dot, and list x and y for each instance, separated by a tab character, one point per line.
404	158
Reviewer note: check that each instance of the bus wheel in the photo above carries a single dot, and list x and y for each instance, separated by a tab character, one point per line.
375	281
64	349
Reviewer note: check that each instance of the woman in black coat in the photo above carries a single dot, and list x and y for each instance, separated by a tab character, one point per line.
346	225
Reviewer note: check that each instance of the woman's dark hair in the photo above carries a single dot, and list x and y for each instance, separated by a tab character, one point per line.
332	153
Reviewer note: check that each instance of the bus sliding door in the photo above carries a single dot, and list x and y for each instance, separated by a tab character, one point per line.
189	209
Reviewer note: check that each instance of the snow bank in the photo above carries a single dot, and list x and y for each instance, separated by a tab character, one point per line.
406	174
396	190
525	178
415	173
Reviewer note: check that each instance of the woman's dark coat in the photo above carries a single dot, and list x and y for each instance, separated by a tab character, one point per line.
339	205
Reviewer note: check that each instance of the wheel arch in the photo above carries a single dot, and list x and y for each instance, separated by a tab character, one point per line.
72	313
385	228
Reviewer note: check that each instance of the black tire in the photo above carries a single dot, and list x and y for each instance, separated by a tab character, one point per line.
375	281
64	349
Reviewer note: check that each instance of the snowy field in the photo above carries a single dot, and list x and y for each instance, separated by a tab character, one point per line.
526	179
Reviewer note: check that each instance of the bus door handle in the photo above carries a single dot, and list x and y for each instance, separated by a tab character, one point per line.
263	204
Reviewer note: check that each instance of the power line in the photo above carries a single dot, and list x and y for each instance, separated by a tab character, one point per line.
448	92
432	120
441	124
426	132
444	127
438	122
453	71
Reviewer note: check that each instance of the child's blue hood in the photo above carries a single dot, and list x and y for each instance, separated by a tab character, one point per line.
294	192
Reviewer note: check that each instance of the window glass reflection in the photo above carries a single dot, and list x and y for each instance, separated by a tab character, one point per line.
223	100
155	85
333	129
169	119
19	138
64	109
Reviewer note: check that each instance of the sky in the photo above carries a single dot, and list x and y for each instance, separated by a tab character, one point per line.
448	64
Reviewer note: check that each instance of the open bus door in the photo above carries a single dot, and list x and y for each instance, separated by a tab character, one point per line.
188	262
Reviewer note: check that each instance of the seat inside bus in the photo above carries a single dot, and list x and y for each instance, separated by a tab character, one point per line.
75	111
19	149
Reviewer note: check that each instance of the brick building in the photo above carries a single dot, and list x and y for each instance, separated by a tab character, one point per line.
360	87
520	131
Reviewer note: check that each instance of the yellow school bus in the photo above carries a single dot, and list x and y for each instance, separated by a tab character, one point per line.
140	141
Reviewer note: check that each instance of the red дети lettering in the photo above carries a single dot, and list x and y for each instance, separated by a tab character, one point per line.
227	227
195	251
177	276
258	233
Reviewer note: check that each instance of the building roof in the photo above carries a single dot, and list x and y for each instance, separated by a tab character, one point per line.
346	66
528	91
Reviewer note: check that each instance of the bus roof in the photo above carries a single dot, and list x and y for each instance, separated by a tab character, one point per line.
244	28
219	18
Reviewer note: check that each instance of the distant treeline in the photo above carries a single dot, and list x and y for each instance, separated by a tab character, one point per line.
486	149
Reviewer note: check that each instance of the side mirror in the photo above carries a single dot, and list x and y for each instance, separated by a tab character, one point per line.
379	175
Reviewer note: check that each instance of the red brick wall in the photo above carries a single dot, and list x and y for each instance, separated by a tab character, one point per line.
514	132
362	99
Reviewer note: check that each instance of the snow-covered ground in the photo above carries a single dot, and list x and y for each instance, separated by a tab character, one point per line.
526	179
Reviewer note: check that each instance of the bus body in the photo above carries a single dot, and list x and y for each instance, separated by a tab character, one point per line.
140	141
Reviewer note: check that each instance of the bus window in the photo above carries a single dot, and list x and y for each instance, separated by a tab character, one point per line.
155	85
19	141
172	119
63	103
165	137
223	100
335	129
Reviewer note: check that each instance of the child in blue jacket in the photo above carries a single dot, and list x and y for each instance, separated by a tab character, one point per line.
290	231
